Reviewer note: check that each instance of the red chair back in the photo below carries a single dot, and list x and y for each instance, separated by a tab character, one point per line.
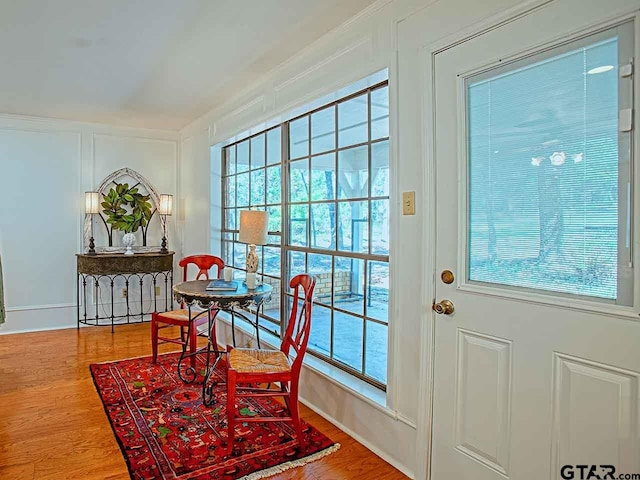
204	264
297	333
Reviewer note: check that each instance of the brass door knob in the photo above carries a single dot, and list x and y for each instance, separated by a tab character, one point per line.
444	307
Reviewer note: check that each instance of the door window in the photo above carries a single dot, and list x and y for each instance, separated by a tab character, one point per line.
548	171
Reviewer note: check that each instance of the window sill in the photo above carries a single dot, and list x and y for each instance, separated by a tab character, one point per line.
368	393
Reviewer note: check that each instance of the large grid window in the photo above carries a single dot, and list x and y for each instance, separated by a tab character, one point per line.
324	178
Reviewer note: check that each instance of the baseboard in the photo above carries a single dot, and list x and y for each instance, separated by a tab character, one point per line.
390	460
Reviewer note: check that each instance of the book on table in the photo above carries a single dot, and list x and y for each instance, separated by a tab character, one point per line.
221	285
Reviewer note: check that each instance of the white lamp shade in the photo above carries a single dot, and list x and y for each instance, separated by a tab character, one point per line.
166	204
253	227
91	202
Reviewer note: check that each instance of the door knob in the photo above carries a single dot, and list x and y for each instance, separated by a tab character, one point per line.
443	307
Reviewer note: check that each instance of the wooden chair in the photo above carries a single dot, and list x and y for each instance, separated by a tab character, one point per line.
258	366
160	320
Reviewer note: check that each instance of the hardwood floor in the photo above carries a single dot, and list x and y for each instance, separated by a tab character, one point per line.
53	425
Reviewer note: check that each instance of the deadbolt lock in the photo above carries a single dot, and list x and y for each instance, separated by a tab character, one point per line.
447	276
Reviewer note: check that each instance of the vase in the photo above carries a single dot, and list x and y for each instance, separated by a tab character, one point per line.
128	239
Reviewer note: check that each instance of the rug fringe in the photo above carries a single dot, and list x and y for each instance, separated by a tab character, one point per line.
268	472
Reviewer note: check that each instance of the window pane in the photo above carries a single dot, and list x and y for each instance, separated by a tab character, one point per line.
230	219
352	121
324	279
298	225
230	160
347	339
272	308
354	227
376	347
323	177
242	154
380	113
230	189
322	222
323	130
299	138
271	261
227	251
240	255
257	188
275	220
348	284
380	227
274	185
353	173
257	151
242	189
299	181
272	311
380	169
378	291
544	175
319	264
274	146
297	264
320	337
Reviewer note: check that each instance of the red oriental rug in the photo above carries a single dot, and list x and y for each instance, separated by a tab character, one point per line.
165	432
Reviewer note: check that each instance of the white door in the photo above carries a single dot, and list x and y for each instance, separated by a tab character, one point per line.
537	370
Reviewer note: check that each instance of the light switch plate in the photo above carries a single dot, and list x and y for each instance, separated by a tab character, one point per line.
408	203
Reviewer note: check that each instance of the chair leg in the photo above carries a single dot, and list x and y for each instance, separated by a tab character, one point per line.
295	414
231	409
154	339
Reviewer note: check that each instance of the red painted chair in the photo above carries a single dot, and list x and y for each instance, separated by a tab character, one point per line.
248	367
160	320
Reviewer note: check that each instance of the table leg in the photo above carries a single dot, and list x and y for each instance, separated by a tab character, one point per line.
208	398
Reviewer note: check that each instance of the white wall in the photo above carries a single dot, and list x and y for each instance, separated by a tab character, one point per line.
45	168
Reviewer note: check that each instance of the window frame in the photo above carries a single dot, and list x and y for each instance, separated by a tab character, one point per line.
626	35
284	233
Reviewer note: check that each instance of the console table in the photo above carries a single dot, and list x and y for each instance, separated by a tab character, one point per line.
121	271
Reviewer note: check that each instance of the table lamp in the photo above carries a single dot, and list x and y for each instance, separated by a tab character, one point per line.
165	209
253	231
91	206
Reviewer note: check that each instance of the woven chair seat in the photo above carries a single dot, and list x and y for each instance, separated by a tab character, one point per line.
182	314
251	360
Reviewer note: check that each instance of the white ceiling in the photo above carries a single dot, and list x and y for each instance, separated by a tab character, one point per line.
148	63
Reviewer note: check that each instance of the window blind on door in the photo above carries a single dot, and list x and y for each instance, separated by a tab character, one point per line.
543	173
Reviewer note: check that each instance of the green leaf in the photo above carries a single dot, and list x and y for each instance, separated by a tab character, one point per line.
138	384
247	413
164	431
127	197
